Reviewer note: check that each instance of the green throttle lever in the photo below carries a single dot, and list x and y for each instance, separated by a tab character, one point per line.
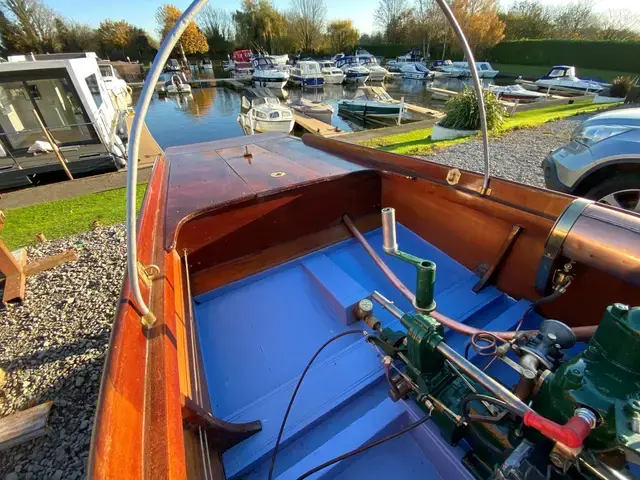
426	269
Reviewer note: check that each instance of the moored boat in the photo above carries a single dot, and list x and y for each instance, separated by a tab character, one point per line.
332	74
262	112
377	73
372	102
307	73
319	110
261	335
516	92
266	74
354	72
416	71
174	85
562	79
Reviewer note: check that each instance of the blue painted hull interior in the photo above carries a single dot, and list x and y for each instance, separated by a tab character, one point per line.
258	334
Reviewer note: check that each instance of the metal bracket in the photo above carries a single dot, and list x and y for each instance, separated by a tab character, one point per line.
453	176
557	236
147	273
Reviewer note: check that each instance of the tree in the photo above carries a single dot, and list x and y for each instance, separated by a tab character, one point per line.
191	41
391	16
9	36
115	37
217	26
528	19
480	22
76	37
257	22
574	19
307	23
342	35
619	25
35	22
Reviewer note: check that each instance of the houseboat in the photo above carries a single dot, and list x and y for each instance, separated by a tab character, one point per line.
310	308
63	96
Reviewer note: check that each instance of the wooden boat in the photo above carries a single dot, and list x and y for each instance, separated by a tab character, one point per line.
253	252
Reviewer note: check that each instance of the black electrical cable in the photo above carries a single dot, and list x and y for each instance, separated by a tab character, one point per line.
295	392
364	448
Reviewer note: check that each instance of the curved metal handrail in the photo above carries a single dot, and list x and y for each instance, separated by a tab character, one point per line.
134	145
476	84
143	105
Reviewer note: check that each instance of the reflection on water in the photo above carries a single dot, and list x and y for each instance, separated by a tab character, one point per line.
210	113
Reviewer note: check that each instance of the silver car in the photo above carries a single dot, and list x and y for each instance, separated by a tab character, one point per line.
602	161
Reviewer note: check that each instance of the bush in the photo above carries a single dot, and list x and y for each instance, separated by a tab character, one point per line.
620	86
600	54
463	113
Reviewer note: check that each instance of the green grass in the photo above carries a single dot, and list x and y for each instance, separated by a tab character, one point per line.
418	142
62	218
537	71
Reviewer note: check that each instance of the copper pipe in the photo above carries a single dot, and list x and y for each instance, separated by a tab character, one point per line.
582	333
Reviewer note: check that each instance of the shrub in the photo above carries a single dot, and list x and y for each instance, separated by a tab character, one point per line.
620	86
462	111
623	56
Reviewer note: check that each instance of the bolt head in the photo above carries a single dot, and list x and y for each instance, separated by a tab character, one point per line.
365	305
552	337
621	307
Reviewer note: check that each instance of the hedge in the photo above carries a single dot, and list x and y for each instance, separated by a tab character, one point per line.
605	55
387	50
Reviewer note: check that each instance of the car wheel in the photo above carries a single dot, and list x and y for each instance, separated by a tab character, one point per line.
622	191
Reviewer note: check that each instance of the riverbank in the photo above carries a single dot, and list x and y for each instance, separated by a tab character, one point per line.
419	142
536	71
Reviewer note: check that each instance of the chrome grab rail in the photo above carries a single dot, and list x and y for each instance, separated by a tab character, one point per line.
162	56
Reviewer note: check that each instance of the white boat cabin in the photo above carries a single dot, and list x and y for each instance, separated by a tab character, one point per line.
68	93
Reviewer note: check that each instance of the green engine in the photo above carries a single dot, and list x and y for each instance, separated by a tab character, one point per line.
567	417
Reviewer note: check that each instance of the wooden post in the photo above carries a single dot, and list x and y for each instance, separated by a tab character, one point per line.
401	109
54	147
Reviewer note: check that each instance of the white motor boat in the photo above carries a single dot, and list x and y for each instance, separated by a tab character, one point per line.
242	71
261	114
376	72
280	59
332	74
307	73
372	102
266	74
319	110
174	85
562	79
516	92
354	72
116	85
413	56
416	71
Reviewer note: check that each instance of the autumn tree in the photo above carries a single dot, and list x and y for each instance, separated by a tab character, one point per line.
480	21
115	37
307	23
342	35
35	25
191	41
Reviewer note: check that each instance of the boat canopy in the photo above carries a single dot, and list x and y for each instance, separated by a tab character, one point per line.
242	56
263	63
374	94
368	60
309	67
348	60
561	71
442	63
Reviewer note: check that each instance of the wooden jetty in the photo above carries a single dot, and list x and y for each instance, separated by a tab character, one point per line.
149	148
315	126
440	93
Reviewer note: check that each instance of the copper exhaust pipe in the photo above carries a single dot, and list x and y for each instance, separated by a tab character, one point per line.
581	333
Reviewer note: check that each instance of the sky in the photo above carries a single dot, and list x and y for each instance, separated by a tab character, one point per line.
142	12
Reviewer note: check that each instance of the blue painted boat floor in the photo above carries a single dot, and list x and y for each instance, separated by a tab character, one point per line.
258	334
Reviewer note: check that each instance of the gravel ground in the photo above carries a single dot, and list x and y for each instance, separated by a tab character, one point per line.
516	155
52	347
